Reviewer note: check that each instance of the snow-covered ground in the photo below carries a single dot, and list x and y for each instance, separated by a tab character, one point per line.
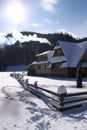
21	110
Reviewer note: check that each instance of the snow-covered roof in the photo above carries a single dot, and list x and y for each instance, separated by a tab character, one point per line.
57	47
48	53
64	65
58	59
43	53
73	52
49	66
40	62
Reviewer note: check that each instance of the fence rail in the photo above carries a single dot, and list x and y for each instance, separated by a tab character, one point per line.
60	100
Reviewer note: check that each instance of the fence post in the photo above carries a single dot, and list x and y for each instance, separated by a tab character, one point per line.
35	84
79	76
61	93
26	82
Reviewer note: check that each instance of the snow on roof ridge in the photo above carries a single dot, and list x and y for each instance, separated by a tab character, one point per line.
49	54
57	47
44	52
40	62
58	59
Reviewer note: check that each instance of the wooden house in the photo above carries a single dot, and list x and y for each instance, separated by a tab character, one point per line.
41	66
62	61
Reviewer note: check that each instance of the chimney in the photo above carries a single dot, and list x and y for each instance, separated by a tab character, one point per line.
57	43
51	47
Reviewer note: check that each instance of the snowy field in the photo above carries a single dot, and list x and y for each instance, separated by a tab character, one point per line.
21	110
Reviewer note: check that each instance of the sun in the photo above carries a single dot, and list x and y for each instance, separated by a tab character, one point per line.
15	12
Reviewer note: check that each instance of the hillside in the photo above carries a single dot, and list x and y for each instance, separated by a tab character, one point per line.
52	37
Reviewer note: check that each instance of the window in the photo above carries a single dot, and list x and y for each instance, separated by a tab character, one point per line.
38	66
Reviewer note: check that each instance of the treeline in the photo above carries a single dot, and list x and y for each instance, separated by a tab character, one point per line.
54	37
24	53
20	53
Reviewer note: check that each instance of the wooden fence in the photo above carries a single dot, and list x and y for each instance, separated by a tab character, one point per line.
60	100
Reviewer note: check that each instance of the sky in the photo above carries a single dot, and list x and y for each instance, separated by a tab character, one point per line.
44	16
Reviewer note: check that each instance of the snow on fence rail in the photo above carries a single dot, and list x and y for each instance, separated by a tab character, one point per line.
61	100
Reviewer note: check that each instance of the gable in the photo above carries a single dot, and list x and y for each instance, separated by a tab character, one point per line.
58	51
73	52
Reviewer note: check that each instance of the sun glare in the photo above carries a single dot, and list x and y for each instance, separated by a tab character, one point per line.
15	12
